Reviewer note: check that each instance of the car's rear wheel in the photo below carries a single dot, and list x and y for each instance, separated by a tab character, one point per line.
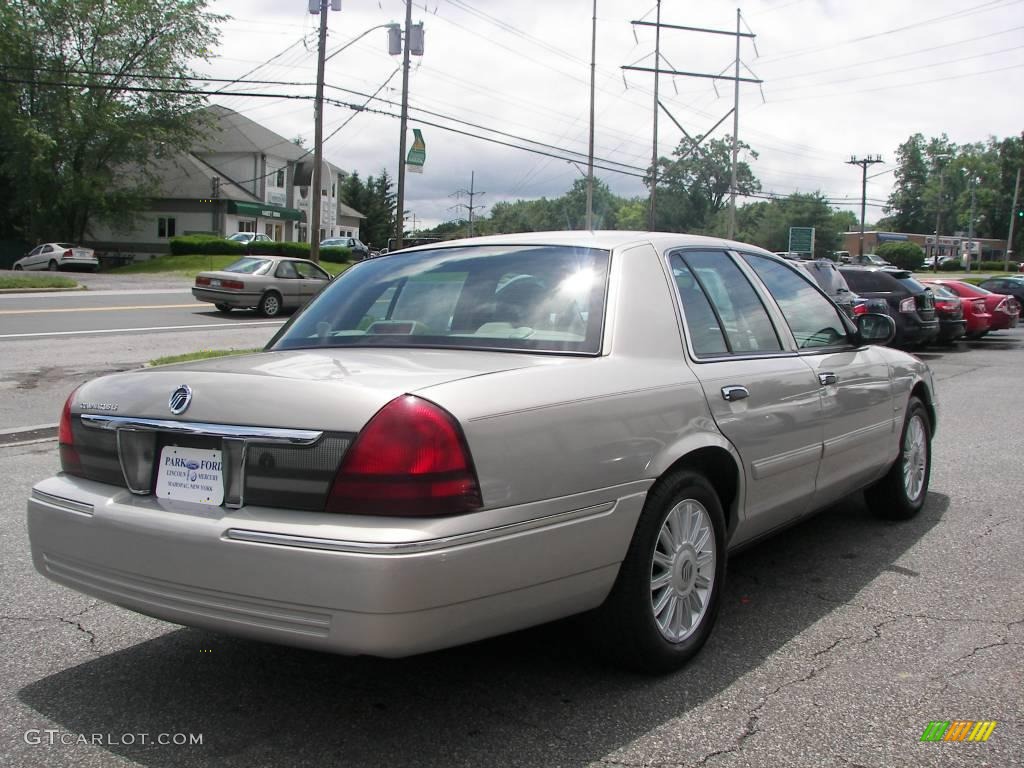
270	304
666	597
18	268
222	307
901	493
52	266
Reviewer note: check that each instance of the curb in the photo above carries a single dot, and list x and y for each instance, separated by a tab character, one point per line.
42	290
19	435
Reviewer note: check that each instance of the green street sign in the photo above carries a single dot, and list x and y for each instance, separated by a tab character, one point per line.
801	239
417	154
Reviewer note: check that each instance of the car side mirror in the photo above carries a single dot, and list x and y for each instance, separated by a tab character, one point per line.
874	328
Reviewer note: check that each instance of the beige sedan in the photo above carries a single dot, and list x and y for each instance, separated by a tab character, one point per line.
268	284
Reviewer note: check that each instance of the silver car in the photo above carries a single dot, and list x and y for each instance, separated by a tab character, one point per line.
268	284
463	440
58	256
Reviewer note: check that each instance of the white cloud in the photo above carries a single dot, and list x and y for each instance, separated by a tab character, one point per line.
840	78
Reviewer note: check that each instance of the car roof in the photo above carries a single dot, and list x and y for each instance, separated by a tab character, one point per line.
602	239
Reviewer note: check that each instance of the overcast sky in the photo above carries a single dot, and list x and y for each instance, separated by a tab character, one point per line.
840	78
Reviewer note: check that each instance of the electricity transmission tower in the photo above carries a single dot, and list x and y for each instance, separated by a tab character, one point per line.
735	111
471	193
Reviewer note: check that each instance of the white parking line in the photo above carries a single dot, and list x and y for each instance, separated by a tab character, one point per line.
135	330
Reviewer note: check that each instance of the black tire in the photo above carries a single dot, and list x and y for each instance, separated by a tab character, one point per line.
221	307
270	304
890	497
18	268
52	266
625	628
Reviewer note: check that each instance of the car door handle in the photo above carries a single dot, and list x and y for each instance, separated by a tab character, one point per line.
828	379
734	393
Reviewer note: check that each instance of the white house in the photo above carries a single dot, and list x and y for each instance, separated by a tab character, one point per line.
240	177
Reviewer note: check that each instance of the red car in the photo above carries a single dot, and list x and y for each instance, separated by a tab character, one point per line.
1004	310
947	302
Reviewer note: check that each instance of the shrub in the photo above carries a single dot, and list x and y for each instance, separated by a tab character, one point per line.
336	254
208	245
950	266
905	255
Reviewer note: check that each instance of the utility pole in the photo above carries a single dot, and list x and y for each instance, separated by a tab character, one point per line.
471	193
590	154
735	133
1013	218
869	160
652	205
399	219
315	201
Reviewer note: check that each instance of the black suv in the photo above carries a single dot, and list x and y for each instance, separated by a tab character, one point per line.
911	305
828	277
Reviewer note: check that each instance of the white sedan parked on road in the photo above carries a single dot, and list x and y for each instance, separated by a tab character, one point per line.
56	256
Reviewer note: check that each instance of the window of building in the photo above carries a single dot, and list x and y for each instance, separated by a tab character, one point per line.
246	226
165	227
279	181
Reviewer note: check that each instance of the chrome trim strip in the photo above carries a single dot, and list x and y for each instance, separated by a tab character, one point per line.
252	434
857	438
415	547
783	462
65	505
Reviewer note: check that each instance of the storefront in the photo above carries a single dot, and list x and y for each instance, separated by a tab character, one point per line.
275	221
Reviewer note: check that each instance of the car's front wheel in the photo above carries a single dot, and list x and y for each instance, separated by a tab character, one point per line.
270	304
901	493
18	268
666	597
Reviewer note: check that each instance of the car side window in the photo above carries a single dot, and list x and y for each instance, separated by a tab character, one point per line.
47	249
706	335
286	269
310	272
811	317
742	318
36	251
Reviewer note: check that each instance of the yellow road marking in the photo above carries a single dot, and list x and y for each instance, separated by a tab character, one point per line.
194	305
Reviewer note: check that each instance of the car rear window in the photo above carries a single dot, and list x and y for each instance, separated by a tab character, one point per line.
519	298
869	281
249	266
911	284
66	245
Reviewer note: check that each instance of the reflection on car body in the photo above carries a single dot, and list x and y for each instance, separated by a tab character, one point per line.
466	439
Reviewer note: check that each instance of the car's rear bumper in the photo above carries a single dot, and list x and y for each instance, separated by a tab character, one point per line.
911	329
299	578
231	298
951	330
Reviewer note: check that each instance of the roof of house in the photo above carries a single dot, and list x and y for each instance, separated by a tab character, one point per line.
344	210
232	132
182	175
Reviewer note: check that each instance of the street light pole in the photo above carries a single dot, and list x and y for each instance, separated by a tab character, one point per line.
938	211
590	154
970	227
399	218
1013	218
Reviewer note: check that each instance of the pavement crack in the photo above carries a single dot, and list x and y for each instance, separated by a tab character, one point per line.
77	625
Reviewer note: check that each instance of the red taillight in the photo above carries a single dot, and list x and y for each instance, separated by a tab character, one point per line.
946	304
979	307
67	254
860	309
202	281
411	459
235	285
70	461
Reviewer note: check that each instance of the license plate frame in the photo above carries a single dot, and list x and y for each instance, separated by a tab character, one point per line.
193	475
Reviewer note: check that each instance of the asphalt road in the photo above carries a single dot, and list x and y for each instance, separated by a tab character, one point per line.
52	342
838	642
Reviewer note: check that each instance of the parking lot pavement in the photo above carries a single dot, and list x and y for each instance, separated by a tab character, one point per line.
839	641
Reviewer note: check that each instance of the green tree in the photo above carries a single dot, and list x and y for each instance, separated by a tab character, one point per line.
77	109
767	223
378	202
906	255
907	201
694	187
